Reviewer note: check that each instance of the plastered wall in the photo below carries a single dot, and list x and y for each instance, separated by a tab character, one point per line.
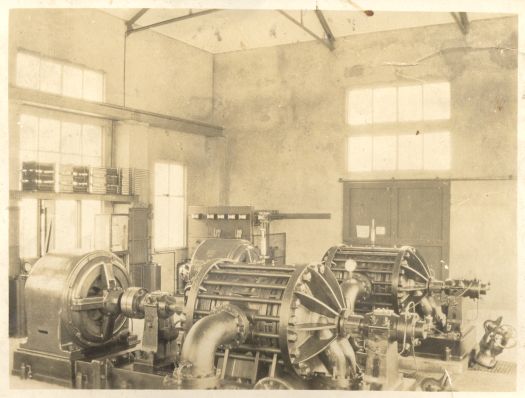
284	112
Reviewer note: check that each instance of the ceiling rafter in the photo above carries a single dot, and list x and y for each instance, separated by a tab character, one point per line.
462	20
328	32
135	18
172	20
326	42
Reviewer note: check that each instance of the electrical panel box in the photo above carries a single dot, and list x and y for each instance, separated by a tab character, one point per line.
228	222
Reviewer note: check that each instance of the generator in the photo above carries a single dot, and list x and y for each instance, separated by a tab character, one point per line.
398	278
241	326
78	308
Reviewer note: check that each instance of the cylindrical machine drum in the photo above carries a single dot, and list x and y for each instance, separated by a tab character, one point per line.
394	276
295	311
237	250
72	285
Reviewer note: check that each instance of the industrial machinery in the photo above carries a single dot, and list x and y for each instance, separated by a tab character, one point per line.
238	250
497	337
243	222
288	324
78	306
399	278
244	325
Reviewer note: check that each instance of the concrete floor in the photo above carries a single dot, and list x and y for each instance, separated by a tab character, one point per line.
471	380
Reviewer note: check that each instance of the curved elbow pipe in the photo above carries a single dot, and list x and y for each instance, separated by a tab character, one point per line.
351	288
227	325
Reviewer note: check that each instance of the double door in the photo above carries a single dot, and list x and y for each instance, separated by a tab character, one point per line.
397	213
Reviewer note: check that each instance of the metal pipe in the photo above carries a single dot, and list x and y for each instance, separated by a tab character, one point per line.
228	325
337	363
239	273
352	289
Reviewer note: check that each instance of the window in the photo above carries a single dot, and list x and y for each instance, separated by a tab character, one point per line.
58	77
377	147
66	225
28	227
89	209
60	142
428	151
428	101
58	221
170	206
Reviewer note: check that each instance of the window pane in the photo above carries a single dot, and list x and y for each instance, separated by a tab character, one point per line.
27	70
93	86
176	222
176	183
385	104
436	101
65	225
410	152
90	208
385	150
92	161
72	81
410	103
49	135
161	211
50	76
71	138
161	179
49	157
360	106
437	151
28	132
71	159
28	156
91	140
28	228
360	153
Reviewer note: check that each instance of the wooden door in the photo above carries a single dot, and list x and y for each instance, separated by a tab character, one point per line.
410	212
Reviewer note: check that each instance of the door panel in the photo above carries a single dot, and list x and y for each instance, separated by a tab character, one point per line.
414	213
419	207
367	205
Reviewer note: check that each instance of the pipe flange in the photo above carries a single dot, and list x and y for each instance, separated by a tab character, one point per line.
243	323
184	379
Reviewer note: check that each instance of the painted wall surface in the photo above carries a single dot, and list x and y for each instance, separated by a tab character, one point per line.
284	112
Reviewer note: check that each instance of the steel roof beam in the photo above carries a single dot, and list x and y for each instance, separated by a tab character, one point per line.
461	19
328	32
172	20
135	18
327	43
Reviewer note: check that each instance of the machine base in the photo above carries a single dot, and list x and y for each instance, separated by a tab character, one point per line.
43	367
451	346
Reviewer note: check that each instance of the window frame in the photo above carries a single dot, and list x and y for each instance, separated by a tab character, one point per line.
397	128
397	86
184	196
61	62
